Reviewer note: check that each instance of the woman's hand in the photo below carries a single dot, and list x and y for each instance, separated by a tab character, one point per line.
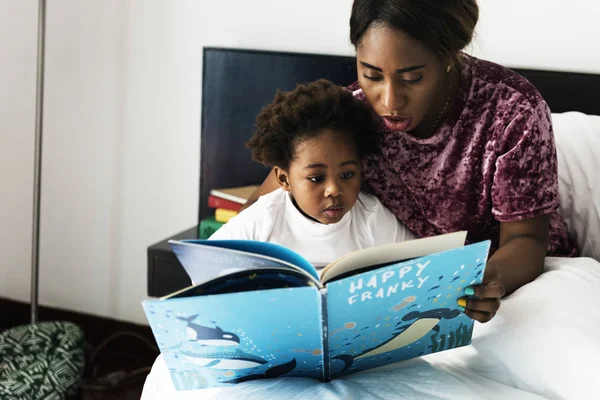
483	301
518	261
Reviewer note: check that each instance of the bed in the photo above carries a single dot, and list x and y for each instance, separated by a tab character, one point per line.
545	341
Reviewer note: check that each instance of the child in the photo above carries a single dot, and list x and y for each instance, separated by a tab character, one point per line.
314	138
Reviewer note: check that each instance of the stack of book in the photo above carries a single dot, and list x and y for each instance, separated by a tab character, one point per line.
227	203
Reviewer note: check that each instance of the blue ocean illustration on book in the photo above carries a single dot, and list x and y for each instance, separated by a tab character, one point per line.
401	312
392	313
230	338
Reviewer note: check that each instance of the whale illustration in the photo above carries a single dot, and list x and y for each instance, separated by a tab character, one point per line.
414	332
233	360
209	336
406	334
273	372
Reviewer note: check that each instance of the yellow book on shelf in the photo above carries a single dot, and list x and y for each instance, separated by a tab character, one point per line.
224	215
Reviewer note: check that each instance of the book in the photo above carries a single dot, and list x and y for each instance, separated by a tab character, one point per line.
237	195
223	215
207	227
218	202
259	310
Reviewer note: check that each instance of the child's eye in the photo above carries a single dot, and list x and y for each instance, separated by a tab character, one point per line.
347	175
316	179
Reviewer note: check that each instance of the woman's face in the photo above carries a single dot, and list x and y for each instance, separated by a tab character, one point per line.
405	83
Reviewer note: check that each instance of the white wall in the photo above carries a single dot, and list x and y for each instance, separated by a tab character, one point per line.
122	120
561	35
17	109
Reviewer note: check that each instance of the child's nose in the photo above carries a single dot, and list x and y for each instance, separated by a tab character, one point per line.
334	189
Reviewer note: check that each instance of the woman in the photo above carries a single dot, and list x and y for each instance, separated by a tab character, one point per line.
467	144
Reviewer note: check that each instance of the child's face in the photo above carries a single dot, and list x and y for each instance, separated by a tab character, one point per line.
324	177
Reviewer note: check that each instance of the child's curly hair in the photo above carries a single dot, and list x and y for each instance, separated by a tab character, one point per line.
303	113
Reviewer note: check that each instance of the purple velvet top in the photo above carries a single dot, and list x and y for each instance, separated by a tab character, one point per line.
492	160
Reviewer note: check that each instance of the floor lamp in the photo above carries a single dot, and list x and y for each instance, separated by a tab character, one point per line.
37	171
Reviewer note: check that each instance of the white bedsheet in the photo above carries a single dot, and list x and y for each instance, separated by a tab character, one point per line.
543	344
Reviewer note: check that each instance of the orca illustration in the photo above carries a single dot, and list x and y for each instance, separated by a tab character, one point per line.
224	360
273	372
406	334
209	336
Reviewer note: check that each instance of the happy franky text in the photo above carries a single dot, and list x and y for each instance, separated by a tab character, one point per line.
387	283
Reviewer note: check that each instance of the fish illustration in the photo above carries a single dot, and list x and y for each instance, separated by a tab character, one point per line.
209	336
233	360
403	304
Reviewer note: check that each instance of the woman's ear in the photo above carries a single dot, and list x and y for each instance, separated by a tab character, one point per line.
452	64
282	178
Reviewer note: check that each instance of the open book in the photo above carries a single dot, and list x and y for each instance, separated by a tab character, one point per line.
259	310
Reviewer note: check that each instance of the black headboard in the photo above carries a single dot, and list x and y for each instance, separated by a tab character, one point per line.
566	91
238	83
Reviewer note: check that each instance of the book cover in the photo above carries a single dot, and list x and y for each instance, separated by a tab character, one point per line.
237	195
218	202
223	215
263	316
402	311
231	338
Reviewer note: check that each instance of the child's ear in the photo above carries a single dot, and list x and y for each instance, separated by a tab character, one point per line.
282	178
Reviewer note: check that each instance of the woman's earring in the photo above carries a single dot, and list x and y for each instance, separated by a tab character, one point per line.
449	68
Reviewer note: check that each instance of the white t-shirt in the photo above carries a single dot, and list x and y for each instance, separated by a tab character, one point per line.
274	218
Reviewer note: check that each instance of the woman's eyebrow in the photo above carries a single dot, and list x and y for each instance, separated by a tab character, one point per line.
411	68
364	64
398	71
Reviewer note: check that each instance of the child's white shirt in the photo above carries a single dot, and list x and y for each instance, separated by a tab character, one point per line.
274	218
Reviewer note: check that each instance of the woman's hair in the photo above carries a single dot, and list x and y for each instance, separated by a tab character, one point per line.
302	114
443	26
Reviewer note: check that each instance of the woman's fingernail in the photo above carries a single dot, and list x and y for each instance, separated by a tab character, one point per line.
469	291
461	308
462	302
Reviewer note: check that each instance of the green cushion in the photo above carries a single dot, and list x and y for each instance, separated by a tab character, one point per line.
41	361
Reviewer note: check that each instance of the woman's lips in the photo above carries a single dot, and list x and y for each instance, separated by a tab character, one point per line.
397	123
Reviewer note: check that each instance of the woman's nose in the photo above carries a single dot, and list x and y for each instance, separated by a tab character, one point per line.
393	98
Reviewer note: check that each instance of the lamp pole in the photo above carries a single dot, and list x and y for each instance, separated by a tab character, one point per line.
37	171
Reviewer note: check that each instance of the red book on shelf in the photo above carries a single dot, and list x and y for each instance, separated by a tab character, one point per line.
218	202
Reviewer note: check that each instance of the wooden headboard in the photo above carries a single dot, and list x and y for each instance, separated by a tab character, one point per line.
238	83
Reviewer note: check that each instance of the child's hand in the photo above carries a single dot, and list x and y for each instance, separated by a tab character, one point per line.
483	301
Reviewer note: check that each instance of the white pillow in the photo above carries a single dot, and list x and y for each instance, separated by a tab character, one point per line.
578	146
545	334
